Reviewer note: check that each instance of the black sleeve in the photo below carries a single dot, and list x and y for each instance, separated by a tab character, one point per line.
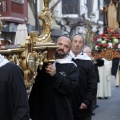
20	100
65	85
99	62
92	86
115	63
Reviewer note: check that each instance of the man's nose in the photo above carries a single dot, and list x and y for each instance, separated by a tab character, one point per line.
62	47
77	44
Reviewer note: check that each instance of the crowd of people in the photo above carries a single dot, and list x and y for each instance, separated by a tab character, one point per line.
64	90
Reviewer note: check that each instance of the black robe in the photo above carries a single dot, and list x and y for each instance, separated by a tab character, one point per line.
50	98
85	92
98	63
115	64
13	96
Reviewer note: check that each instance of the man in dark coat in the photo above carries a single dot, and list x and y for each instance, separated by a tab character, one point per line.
115	64
85	92
50	98
13	96
96	63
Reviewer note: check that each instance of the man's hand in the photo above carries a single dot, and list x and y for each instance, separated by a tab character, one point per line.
82	106
50	69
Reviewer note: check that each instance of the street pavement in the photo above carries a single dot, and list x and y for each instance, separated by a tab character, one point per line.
109	109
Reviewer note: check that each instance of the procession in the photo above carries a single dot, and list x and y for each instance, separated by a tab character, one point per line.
59	60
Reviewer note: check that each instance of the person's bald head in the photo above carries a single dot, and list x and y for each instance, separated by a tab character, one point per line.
65	39
64	45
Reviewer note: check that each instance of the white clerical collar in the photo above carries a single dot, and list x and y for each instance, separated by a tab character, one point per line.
81	56
67	59
3	60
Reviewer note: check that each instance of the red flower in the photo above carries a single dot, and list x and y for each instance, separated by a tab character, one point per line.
115	35
108	37
99	44
115	46
103	35
106	45
95	38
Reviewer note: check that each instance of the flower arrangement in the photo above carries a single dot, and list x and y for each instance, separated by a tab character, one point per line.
109	39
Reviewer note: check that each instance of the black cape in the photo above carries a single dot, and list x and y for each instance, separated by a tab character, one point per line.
98	63
115	64
13	96
50	98
85	92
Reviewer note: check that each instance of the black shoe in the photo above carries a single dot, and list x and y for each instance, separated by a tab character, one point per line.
97	106
94	107
106	98
93	114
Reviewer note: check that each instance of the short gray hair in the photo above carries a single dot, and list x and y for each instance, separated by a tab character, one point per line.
79	36
86	48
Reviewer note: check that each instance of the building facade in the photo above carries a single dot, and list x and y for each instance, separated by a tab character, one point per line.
13	13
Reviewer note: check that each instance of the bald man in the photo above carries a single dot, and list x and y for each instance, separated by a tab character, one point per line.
51	94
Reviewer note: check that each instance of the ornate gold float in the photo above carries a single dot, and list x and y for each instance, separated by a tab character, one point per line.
108	54
107	45
35	51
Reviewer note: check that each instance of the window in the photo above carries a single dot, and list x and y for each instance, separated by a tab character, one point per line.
18	1
70	6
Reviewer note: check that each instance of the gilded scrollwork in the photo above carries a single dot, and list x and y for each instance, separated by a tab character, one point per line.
35	51
45	36
15	59
41	58
109	54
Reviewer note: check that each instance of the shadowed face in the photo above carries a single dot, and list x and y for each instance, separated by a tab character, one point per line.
77	44
64	45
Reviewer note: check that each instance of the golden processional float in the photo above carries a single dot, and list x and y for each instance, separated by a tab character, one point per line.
35	51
